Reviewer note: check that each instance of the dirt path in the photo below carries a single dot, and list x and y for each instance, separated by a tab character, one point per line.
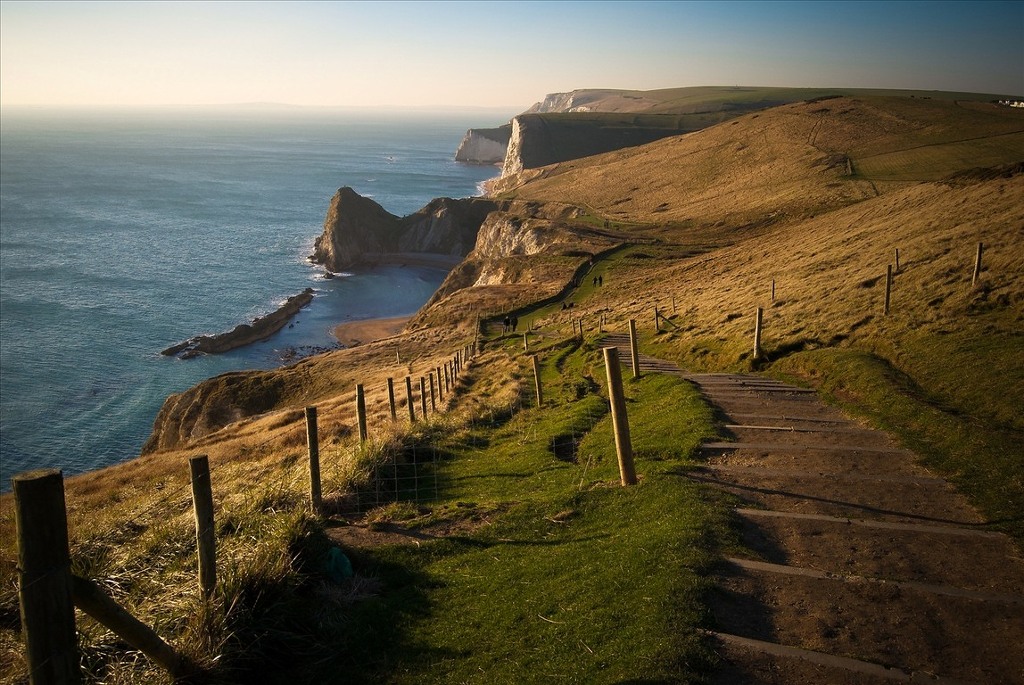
859	565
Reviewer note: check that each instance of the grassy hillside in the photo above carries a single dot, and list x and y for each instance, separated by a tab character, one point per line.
740	98
522	555
599	121
818	197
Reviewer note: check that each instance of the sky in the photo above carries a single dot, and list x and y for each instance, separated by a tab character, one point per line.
490	54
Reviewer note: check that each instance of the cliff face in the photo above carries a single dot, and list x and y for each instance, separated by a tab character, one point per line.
514	156
525	252
209	406
484	145
444	226
541	139
597	100
359	231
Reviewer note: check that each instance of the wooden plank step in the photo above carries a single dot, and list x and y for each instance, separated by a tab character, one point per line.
794	429
935	589
832	661
780	447
788	417
783	473
871	523
749	387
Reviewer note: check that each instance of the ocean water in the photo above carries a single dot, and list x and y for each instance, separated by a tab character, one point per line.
124	233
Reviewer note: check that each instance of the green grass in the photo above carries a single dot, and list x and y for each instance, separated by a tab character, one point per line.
575	579
533	564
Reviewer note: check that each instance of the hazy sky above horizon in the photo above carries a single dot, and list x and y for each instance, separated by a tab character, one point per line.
490	54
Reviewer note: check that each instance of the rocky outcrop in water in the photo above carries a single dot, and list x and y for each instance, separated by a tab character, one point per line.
261	328
358	231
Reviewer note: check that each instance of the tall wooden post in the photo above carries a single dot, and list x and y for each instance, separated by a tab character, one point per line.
408	395
398	354
361	413
888	288
657	320
536	381
440	385
620	422
447	379
44	578
433	405
757	333
634	350
977	265
206	538
313	443
423	397
391	399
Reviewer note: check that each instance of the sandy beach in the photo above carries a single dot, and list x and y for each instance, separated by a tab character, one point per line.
354	333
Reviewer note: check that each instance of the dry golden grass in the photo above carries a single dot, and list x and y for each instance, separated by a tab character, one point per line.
717	216
787	163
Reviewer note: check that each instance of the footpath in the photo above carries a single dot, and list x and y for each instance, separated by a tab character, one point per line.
859	566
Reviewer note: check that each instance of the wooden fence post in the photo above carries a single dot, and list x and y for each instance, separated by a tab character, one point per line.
634	351
536	381
361	413
620	422
313	443
44	578
206	538
423	397
757	333
391	399
440	385
398	354
977	266
408	395
888	288
433	405
447	387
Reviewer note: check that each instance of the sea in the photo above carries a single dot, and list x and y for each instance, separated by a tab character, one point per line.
125	232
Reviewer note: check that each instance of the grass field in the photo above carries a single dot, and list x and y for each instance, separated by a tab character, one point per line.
530	561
